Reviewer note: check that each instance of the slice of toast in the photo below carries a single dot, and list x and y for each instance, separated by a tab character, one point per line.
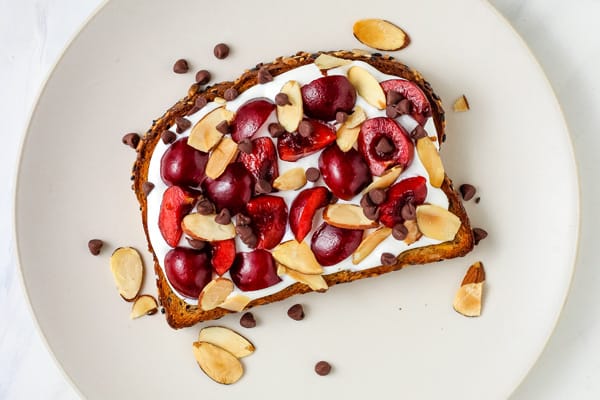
181	314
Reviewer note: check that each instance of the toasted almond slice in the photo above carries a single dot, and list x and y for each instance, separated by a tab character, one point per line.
204	135
347	216
369	243
437	222
315	282
461	104
290	115
144	305
469	296
357	117
226	339
204	227
346	137
219	100
215	293
380	34
362	52
292	179
297	256
236	303
414	233
367	86
219	364
385	180
221	157
326	61
430	157
128	270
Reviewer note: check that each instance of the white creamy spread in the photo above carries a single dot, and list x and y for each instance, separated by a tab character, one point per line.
302	75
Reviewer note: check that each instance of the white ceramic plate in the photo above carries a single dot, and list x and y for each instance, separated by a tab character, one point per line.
393	336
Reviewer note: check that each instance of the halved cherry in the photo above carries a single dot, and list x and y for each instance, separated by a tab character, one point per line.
176	204
384	143
420	107
223	255
249	118
262	161
231	190
346	174
293	146
182	165
412	190
304	208
324	97
331	245
254	270
269	217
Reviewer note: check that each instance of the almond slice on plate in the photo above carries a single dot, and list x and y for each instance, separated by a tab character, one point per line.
204	135
290	115
326	61
436	222
469	296
128	271
236	303
226	339
380	34
297	256
215	293
221	157
144	305
461	104
430	157
314	281
367	86
292	179
216	362
347	216
204	227
369	243
385	180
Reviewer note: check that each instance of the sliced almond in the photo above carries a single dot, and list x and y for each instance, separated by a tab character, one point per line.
226	339
469	296
204	227
326	61
461	104
292	179
346	137
215	293
430	157
385	180
347	216
236	303
380	34
144	305
315	282
128	270
297	256
219	364
437	223
414	233
290	115
367	86
369	243
357	117
361	52
204	135
221	157
219	100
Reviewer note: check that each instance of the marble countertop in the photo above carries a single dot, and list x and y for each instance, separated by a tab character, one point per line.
565	38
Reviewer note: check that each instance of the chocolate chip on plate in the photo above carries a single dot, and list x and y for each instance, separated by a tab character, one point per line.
478	235
247	320
322	368
202	77
95	245
181	66
221	51
131	139
467	191
296	312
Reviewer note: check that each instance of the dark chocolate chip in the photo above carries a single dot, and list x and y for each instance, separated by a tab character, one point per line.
371	212
243	230
95	245
247	320
282	99
195	243
305	129
192	111
403	107
377	196
162	310
205	207
221	51
388	259
224	217
223	127
393	97
131	139
183	124
202	77
467	191
241	220
264	76
418	133
180	66
231	94
477	200
341	117
275	129
296	312
399	232
313	174
322	368
251	241
147	187
200	102
443	138
263	186
391	112
245	146
365	201
168	137
478	235
408	211
384	146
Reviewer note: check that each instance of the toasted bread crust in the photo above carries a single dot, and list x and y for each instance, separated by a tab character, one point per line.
180	314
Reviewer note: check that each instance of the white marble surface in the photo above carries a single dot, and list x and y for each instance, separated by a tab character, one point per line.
565	38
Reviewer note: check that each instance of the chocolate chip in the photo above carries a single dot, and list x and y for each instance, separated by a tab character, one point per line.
384	146
230	94
264	76
195	243
243	230
251	241
282	99
341	117
388	259
333	199
296	312
224	217
393	97
223	127
263	186
478	235
183	124
313	174
443	138
247	320
391	112
371	212
221	51
408	211
322	368
202	77
467	191
275	129
305	129
245	146
147	187
399	232
201	102
205	207
95	245
131	139
365	201
241	220
418	133
180	66
167	137
377	196
477	200
403	107
162	310
192	111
